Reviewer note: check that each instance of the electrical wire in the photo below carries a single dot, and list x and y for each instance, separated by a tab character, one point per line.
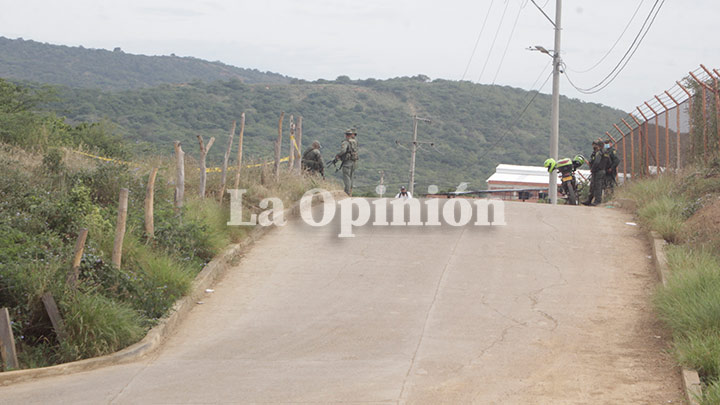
517	119
502	18
507	45
543	12
477	41
615	44
626	57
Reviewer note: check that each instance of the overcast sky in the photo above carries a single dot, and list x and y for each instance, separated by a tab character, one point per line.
313	39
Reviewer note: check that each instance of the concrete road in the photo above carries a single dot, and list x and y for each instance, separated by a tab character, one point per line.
535	312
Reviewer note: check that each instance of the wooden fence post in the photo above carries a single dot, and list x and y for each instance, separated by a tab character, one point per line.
77	258
180	180
7	341
278	146
120	228
149	205
291	155
225	161
298	161
54	314
240	150
203	169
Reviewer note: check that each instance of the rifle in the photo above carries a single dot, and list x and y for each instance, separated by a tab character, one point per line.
334	163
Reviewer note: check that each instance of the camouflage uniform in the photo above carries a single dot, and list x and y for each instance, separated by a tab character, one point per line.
599	163
312	161
611	172
349	156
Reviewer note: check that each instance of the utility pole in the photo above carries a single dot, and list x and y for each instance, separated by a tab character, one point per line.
413	149
555	113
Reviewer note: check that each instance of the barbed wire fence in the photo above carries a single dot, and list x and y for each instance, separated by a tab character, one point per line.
672	129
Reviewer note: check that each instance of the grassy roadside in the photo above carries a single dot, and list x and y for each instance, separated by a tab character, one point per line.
47	196
685	210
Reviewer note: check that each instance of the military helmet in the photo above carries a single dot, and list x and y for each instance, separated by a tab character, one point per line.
350	131
550	164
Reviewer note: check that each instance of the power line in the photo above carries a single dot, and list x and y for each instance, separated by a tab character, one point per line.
543	11
602	84
517	119
507	45
493	42
477	41
615	44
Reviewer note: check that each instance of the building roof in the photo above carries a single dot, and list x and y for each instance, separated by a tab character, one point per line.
523	175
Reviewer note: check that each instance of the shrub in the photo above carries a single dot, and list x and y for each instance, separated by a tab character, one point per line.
97	325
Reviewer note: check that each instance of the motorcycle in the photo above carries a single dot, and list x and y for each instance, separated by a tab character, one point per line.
568	185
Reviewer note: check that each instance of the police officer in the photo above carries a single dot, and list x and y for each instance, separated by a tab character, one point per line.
349	156
599	163
611	172
312	160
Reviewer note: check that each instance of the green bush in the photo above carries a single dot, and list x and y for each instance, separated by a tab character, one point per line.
97	325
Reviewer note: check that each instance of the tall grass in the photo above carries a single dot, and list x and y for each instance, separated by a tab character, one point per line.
660	204
690	303
98	325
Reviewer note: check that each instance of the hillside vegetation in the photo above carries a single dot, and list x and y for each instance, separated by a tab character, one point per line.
474	127
48	192
112	70
153	101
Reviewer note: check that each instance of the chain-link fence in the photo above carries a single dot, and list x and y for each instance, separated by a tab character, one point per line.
673	128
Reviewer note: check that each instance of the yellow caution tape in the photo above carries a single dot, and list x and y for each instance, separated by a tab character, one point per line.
292	138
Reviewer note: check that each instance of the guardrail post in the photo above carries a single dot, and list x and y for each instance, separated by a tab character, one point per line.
278	146
180	177
149	205
120	228
77	258
225	161
291	155
298	163
7	341
54	314
203	168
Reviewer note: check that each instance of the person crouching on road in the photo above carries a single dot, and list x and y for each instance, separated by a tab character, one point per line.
312	161
349	156
404	194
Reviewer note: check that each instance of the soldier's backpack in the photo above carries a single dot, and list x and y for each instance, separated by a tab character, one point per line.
352	151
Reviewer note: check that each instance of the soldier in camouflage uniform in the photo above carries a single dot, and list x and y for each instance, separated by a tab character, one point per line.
349	156
312	161
599	163
611	172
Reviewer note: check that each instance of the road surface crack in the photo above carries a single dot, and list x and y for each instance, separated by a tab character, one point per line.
427	316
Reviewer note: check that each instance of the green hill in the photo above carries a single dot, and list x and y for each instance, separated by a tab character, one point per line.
475	127
112	70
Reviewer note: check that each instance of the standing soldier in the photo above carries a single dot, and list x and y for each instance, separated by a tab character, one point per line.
599	162
349	156
312	160
611	173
